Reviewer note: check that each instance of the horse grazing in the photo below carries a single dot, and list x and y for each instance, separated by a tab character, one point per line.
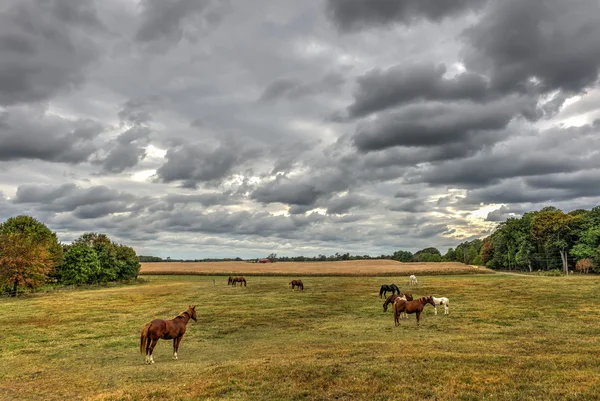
297	283
441	301
172	329
415	306
412	280
235	280
386	288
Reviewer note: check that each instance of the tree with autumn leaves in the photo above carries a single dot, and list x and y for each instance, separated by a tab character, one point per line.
30	255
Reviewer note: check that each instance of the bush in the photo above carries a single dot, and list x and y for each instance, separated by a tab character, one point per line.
81	265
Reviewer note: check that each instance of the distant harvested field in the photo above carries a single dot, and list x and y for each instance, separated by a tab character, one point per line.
342	268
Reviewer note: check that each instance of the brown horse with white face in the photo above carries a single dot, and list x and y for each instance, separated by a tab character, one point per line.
297	283
392	298
411	307
172	329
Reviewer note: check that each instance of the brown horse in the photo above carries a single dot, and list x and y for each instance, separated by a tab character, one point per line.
172	329
235	280
393	297
297	283
415	306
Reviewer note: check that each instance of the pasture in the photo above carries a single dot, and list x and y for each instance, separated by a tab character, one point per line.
376	267
506	337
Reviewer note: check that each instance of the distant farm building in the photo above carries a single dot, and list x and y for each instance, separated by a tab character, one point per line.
264	261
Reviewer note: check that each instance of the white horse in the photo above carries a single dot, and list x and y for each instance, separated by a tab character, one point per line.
441	301
412	280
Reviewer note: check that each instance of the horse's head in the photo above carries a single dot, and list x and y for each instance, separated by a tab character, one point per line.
192	311
429	300
385	306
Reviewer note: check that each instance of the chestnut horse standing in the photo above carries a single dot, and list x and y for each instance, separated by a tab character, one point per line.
297	283
172	329
234	280
392	298
415	306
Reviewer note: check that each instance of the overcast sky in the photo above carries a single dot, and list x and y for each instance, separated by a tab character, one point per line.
203	128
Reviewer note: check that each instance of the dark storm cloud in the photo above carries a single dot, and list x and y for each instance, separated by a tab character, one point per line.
45	47
379	90
352	15
196	163
433	124
552	41
27	133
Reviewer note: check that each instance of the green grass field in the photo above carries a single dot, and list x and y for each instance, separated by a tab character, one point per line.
506	338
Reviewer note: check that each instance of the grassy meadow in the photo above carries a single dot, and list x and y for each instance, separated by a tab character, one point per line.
507	338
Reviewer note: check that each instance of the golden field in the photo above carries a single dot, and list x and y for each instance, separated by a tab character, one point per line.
379	267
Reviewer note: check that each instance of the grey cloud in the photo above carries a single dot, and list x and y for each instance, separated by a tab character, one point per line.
379	90
341	205
86	203
171	20
45	48
552	41
197	163
437	124
294	89
412	206
33	134
126	151
352	15
501	214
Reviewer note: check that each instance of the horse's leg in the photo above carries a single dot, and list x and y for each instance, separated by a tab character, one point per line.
176	342
446	309
435	310
418	316
151	349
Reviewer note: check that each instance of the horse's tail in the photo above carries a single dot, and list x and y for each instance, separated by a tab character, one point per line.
144	337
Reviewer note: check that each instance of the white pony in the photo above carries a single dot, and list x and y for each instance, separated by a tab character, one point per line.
441	301
412	280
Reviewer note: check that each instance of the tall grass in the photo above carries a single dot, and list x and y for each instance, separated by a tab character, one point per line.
507	337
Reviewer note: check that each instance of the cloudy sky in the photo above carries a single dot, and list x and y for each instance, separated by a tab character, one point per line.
203	128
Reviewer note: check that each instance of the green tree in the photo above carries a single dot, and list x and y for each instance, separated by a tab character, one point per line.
81	265
106	251
128	263
555	231
402	256
450	256
23	261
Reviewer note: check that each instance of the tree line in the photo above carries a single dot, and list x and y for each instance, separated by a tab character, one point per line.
547	239
31	255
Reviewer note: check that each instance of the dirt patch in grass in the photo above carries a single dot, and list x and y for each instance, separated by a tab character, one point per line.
342	268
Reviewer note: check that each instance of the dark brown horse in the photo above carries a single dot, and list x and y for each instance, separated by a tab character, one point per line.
392	298
415	306
297	283
234	280
172	329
